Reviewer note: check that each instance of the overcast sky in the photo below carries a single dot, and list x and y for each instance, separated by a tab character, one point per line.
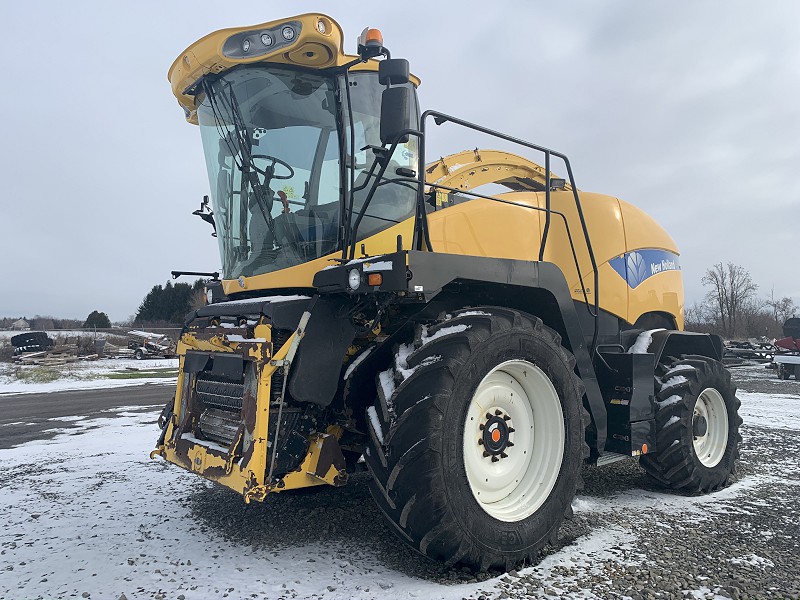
689	110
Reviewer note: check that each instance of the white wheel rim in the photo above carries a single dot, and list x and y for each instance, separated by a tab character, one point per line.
710	448
515	485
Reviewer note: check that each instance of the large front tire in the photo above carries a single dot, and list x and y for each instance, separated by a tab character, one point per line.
697	426
477	438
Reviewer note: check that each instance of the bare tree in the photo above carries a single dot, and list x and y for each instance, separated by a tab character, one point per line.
782	309
696	318
732	289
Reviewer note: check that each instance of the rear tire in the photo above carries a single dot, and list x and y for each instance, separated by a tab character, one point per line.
431	460
697	426
138	354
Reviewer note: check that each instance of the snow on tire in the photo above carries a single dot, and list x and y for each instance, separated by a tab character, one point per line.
477	438
697	425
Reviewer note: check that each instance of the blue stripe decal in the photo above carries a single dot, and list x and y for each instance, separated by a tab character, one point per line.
639	265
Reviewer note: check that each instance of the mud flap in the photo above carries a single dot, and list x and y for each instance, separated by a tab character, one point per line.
318	365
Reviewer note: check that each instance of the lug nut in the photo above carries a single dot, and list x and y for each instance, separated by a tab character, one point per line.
495	459
498	412
503	455
480	441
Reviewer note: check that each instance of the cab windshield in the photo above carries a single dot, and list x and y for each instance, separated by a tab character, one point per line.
271	138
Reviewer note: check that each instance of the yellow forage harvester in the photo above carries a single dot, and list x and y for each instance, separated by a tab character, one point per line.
471	329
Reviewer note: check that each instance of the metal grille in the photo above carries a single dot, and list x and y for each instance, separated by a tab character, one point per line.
279	338
292	439
217	392
219	426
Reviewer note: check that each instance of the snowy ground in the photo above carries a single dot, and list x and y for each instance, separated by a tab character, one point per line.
87	514
6	334
85	375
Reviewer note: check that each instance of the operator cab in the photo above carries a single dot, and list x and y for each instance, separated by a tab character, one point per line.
290	164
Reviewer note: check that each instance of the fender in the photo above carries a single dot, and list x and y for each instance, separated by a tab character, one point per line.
676	343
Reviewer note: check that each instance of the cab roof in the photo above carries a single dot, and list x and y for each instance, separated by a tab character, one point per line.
311	40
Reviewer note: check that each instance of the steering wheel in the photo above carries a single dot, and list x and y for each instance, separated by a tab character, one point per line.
275	161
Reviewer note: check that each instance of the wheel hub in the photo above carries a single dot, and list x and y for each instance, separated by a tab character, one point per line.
699	426
496	435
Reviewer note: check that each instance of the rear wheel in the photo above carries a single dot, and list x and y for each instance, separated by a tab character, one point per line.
697	426
138	354
477	438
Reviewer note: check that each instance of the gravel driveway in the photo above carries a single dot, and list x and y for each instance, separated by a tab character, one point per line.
118	523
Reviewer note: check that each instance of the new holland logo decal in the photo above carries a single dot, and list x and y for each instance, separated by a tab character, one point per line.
639	265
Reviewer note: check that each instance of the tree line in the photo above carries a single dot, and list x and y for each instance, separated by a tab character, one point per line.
163	306
170	303
733	309
96	319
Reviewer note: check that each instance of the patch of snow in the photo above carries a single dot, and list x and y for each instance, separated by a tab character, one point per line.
357	361
406	373
386	379
90	375
382	265
679	369
673	419
642	343
358	261
376	423
676	380
775	411
443	332
700	507
752	559
474	313
403	352
64	385
449	169
272	299
241	338
705	593
669	401
205	443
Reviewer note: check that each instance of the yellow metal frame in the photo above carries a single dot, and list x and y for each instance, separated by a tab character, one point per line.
311	49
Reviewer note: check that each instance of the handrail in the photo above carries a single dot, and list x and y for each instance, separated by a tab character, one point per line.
441	118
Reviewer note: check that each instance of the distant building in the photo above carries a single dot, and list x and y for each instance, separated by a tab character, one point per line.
21	325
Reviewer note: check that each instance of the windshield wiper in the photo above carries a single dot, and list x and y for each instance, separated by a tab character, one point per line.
241	151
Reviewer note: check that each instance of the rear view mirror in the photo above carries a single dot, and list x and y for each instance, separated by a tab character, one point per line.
393	71
395	114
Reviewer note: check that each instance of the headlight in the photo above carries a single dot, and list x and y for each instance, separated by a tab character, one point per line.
287	33
266	39
354	279
209	296
246	46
